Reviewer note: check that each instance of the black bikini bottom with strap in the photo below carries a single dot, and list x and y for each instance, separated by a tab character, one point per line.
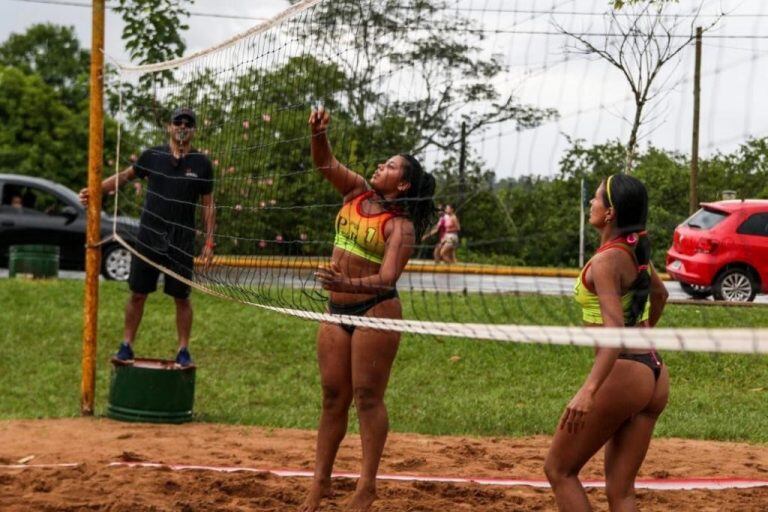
359	308
650	359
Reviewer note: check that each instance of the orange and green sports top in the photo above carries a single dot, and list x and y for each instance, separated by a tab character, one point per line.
360	233
590	303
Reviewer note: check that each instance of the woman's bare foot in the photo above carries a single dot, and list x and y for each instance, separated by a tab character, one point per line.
317	492
362	500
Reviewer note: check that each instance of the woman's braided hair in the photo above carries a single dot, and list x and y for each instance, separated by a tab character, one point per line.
629	198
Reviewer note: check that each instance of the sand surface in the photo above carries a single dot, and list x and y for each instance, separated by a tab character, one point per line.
93	485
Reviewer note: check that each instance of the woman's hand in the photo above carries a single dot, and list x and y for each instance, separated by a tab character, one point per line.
319	120
575	413
330	277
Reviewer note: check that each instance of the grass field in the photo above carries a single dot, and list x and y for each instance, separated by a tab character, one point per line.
256	367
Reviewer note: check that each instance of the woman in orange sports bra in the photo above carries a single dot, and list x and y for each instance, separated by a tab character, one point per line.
626	390
376	230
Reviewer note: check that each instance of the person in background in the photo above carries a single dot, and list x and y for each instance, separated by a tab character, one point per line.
447	229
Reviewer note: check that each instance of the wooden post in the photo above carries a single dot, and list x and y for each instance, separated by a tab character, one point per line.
693	201
93	234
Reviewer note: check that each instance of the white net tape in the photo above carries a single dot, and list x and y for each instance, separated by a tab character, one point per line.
754	341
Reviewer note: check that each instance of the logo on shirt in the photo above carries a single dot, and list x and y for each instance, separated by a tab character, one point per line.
190	173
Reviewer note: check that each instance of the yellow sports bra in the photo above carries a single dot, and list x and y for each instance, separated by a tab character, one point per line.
588	300
360	233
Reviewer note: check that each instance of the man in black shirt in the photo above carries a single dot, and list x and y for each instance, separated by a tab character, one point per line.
177	176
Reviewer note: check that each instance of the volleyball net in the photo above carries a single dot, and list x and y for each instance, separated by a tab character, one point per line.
497	101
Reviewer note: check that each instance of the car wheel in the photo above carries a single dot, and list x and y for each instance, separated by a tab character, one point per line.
116	263
735	285
696	291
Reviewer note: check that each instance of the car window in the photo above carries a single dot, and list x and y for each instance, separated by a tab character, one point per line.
32	200
757	224
12	198
705	219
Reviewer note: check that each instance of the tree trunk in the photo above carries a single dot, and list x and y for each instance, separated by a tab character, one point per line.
632	144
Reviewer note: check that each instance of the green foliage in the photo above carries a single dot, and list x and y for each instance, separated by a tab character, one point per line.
153	28
53	53
39	134
254	128
152	33
545	210
44	107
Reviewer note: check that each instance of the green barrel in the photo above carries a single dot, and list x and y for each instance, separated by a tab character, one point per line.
152	391
36	261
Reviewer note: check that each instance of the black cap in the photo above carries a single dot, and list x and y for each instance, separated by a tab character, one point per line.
184	112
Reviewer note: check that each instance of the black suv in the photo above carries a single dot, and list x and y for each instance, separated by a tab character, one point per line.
39	211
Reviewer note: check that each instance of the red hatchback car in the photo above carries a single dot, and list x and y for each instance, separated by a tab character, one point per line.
722	250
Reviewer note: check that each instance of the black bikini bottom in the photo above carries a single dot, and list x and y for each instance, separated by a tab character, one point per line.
650	359
359	308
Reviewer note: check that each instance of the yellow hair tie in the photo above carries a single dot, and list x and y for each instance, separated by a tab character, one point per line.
608	189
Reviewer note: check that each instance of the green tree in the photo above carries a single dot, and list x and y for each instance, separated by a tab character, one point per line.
39	134
435	50
153	28
254	127
53	53
153	33
639	45
545	235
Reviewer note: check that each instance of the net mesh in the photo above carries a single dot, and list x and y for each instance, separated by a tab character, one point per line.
496	99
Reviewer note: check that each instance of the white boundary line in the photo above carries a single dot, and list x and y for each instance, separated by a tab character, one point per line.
30	466
677	484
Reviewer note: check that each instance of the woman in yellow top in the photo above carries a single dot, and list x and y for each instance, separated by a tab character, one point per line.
376	230
626	390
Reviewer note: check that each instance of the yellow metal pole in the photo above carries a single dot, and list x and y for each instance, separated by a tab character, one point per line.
93	235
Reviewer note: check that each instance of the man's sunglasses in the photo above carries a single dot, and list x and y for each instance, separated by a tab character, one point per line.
183	122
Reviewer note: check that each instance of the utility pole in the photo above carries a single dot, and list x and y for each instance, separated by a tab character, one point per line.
693	202
582	201
93	233
463	165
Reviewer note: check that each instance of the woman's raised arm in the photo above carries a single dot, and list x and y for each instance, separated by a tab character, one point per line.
347	182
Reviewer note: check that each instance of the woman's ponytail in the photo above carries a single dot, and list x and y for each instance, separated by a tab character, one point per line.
419	200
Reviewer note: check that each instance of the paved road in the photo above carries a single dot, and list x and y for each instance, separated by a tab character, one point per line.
415	281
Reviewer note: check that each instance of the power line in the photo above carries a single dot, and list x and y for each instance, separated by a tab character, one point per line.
537	12
608	34
604	13
67	3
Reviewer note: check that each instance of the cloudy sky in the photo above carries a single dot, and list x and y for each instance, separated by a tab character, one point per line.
591	97
205	30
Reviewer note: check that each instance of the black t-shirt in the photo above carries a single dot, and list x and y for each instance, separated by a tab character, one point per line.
174	187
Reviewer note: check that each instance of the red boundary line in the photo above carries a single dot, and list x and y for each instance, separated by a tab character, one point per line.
697	483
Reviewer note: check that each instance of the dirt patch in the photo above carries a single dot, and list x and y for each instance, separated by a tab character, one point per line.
93	485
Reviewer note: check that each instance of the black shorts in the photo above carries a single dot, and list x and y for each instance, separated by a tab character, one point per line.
359	308
143	276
